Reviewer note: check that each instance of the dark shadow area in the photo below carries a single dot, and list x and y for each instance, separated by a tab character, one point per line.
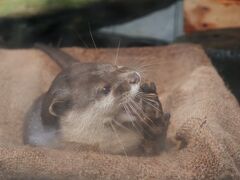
63	25
108	40
229	69
223	48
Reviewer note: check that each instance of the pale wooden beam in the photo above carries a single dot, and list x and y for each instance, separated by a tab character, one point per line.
211	14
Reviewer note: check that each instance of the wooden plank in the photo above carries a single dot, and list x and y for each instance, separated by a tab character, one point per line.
211	14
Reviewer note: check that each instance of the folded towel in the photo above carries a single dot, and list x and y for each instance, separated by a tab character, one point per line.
203	137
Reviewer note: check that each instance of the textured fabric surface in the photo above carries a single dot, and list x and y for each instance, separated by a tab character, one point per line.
203	137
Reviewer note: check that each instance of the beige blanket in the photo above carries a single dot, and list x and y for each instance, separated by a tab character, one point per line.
204	134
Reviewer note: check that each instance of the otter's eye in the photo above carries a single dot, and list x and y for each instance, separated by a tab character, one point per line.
106	89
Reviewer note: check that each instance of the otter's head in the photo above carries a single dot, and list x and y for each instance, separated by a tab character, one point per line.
86	96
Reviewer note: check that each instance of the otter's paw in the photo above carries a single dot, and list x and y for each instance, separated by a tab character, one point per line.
148	88
155	122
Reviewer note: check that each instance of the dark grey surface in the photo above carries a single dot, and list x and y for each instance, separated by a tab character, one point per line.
165	24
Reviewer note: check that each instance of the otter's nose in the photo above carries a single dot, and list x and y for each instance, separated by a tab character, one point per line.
134	78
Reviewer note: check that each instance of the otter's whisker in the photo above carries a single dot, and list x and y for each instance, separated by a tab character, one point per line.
90	31
120	125
144	71
142	94
80	38
137	113
150	104
149	101
148	95
148	67
116	57
140	109
119	140
152	101
59	42
144	122
131	117
153	64
125	98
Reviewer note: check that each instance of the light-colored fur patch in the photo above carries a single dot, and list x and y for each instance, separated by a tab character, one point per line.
87	127
134	89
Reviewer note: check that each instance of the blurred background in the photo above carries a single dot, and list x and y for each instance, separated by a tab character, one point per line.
213	24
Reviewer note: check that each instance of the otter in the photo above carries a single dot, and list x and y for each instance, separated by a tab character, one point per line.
93	104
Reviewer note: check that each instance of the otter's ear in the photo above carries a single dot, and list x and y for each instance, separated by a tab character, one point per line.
53	106
58	107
